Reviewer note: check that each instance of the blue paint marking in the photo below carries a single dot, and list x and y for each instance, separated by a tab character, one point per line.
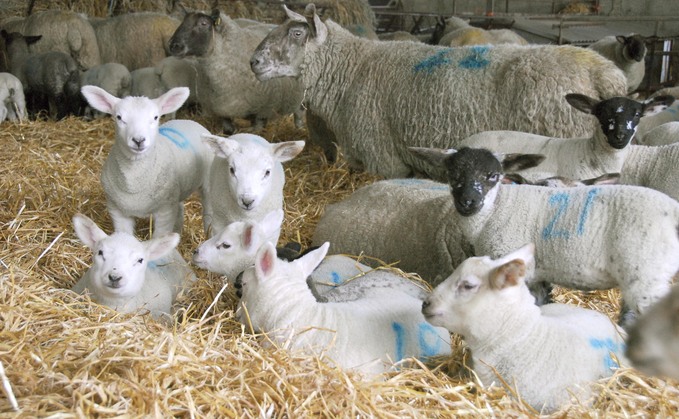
336	278
400	340
672	110
585	210
609	345
429	64
559	200
476	59
176	137
427	185
429	339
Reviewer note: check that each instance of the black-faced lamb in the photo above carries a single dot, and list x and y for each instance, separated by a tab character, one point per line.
369	334
652	345
151	169
12	100
226	87
627	52
128	275
442	94
547	354
586	238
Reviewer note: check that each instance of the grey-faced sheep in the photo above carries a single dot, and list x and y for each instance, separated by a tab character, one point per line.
443	93
226	87
246	177
42	74
627	52
547	354
151	170
12	100
368	334
128	275
652	346
578	158
586	238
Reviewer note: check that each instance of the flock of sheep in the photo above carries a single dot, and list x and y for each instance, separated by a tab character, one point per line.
525	137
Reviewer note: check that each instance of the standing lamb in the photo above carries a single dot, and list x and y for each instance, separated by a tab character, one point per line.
627	52
246	178
368	335
226	87
586	238
442	94
136	40
653	343
12	98
151	170
128	275
41	74
546	353
578	158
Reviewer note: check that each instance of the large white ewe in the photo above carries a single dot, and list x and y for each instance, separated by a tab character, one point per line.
546	353
151	170
368	334
128	275
444	94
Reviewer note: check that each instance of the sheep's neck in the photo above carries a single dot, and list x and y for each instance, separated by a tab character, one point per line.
128	173
603	156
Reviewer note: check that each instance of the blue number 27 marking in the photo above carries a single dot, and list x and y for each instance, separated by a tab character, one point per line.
561	201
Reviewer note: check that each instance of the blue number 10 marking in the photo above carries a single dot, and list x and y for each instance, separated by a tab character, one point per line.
561	201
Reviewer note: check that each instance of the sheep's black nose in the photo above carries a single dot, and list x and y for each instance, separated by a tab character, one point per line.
114	278
138	141
425	304
254	61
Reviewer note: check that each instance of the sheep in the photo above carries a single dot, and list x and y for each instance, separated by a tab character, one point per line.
246	178
602	152
665	134
443	93
367	335
146	82
136	40
64	31
12	98
627	52
545	353
459	33
398	36
115	78
649	131
562	182
653	167
178	72
128	275
226	87
151	170
586	238
652	342
40	73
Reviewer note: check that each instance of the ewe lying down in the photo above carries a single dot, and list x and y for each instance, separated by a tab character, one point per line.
546	353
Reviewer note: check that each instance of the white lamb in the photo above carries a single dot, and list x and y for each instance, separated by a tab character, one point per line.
547	354
443	93
246	178
12	100
653	343
368	335
586	238
627	52
578	158
653	167
128	275
151	170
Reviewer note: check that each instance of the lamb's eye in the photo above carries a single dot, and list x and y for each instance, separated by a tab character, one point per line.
493	177
119	118
140	260
100	253
223	246
155	118
467	286
267	173
232	170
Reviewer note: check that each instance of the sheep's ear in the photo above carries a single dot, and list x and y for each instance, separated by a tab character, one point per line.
514	179
100	99
172	100
605	179
265	261
288	150
656	104
295	17
222	147
252	236
583	103
434	156
312	259
318	28
621	38
87	230
507	275
515	161
156	248
272	222
32	39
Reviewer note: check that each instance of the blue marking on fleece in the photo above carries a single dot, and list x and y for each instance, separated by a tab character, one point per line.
430	63
336	278
176	137
400	340
429	340
609	346
476	59
585	210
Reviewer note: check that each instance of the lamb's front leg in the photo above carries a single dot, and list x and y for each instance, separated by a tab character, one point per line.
168	219
121	222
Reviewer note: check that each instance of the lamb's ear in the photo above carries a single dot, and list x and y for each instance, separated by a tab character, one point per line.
312	259
514	179
172	100
100	99
434	156
318	28
526	253
87	230
157	248
656	104
515	161
287	151
272	222
605	179
296	17
583	103
32	39
265	261
507	275
252	237
222	147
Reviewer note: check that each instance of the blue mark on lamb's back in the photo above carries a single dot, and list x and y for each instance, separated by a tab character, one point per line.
176	137
608	345
477	58
335	278
429	64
